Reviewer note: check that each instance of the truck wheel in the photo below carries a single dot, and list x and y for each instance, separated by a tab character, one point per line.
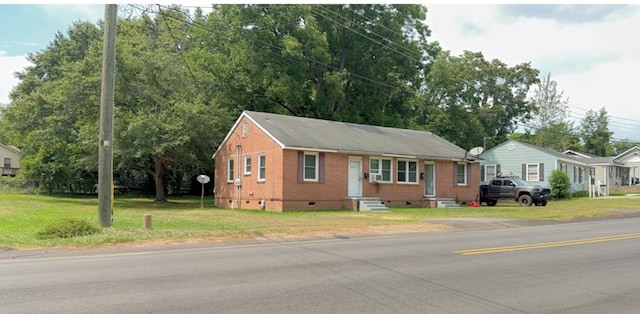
492	203
525	200
543	203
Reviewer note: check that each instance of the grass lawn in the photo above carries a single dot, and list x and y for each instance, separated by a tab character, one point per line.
182	219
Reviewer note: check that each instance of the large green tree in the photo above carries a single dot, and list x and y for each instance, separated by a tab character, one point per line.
595	133
165	116
621	146
357	63
51	107
468	98
549	122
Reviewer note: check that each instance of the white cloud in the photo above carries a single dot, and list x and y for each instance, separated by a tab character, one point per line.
594	63
8	66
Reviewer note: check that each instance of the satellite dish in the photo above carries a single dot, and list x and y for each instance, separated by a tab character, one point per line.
203	178
476	151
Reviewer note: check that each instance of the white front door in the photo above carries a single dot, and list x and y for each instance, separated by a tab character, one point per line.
355	176
429	179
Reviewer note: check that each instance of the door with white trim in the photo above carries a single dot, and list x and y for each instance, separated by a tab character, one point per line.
429	179
355	176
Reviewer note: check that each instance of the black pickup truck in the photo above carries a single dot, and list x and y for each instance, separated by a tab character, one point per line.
519	190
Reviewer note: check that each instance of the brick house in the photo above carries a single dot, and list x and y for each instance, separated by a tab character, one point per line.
285	163
10	158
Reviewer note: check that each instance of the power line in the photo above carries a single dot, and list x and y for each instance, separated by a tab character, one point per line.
385	41
175	40
328	66
288	56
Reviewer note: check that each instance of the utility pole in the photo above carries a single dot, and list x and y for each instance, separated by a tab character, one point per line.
105	146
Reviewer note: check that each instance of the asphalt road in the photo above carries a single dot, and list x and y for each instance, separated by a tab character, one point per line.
512	267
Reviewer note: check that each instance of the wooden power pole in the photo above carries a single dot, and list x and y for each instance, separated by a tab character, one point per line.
105	146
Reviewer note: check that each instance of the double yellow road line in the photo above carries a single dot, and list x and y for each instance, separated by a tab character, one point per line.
547	244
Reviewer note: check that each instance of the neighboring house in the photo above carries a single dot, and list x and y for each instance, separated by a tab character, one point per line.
608	171
285	163
10	158
631	158
534	164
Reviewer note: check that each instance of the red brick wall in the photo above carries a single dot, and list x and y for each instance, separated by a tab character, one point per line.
251	192
406	194
281	190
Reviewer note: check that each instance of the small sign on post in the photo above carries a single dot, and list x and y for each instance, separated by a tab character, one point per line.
203	179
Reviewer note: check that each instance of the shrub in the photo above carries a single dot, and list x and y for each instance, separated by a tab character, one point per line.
68	228
560	185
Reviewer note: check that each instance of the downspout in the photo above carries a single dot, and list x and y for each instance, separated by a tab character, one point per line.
237	181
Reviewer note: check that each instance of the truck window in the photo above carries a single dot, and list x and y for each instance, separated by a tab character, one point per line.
496	182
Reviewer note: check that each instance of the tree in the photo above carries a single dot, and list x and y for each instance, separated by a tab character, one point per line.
163	121
621	146
488	96
356	63
549	124
560	136
595	133
165	115
49	107
550	108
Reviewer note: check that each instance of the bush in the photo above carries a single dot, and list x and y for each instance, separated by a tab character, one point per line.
560	185
68	228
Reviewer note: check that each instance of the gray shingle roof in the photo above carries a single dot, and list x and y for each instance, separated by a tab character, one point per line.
306	133
11	148
595	160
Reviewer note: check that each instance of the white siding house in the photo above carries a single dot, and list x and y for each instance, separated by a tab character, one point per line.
534	164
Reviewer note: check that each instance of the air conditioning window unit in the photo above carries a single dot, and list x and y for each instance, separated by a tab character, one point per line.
238	182
375	177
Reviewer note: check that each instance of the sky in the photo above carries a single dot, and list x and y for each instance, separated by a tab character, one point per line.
590	50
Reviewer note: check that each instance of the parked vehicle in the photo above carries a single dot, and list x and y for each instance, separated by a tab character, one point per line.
519	190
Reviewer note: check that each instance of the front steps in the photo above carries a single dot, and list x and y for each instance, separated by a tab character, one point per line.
372	205
445	202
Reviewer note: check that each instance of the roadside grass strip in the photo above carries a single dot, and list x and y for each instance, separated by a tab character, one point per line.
547	244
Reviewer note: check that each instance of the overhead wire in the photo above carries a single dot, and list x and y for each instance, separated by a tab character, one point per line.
195	81
383	43
271	45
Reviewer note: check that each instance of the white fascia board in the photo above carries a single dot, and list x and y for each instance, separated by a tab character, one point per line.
400	156
309	149
235	125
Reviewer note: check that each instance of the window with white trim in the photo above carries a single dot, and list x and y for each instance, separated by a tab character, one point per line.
245	129
262	167
407	171
580	175
533	173
310	166
382	167
247	165
230	168
490	172
461	173
7	163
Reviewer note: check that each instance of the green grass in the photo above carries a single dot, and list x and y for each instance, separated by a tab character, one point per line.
23	216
